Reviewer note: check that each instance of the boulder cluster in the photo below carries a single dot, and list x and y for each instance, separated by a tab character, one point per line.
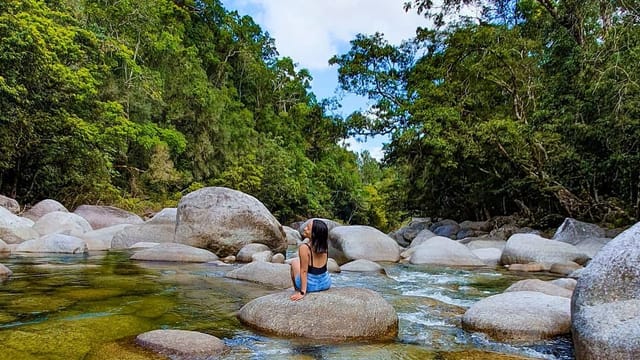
595	296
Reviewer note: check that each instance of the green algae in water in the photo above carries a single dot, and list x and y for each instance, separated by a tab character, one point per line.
6	318
70	339
37	304
87	294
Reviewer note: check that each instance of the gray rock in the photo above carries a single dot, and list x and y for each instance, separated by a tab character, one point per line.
440	250
4	247
483	243
484	226
293	235
527	248
105	216
422	236
101	239
224	220
15	229
174	253
605	305
265	256
43	207
355	242
540	286
54	243
147	232
182	344
332	266
489	256
362	265
564	268
447	228
572	231
9	204
166	216
5	272
245	254
274	275
342	314
567	283
62	222
277	258
520	316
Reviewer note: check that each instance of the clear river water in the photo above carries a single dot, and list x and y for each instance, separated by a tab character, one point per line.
92	307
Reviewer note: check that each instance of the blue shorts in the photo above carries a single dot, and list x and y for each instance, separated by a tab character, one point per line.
316	282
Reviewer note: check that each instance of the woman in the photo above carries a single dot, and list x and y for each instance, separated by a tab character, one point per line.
309	271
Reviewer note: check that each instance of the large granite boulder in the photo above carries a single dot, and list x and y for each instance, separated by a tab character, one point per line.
9	204
440	250
355	242
99	240
224	220
520	316
43	207
270	274
147	232
182	344
588	238
54	243
62	222
105	216
344	314
605	307
15	229
529	248
174	253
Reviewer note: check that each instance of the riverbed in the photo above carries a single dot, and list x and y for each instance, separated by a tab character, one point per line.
92	307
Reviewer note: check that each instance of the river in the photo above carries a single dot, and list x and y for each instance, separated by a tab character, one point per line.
92	307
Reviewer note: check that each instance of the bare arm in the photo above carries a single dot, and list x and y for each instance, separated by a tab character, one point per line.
304	255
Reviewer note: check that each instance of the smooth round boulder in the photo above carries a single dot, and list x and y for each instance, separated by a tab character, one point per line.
520	316
174	253
338	314
224	220
362	265
270	274
9	204
440	250
104	216
573	231
15	229
159	232
62	222
43	207
54	243
245	254
355	242
605	304
182	343
293	235
490	256
99	240
538	285
528	248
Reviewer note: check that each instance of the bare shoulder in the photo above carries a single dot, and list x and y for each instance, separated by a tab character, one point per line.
303	249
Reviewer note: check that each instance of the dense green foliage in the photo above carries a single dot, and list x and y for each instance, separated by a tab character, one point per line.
135	103
529	106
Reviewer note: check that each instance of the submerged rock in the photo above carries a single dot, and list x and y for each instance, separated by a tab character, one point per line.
334	314
182	343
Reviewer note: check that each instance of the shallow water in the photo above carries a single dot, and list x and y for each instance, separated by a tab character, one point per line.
92	307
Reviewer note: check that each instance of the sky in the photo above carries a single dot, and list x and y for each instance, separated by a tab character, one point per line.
312	31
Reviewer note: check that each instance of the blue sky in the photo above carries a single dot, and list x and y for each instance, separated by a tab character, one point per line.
312	31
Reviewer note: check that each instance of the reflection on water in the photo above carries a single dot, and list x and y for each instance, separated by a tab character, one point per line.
92	307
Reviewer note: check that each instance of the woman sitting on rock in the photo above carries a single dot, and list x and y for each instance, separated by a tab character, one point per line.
305	276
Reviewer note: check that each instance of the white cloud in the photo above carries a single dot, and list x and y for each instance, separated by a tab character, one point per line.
312	31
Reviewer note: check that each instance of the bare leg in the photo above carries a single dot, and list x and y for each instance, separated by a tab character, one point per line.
295	271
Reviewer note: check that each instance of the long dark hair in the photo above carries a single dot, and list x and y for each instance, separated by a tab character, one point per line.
319	235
